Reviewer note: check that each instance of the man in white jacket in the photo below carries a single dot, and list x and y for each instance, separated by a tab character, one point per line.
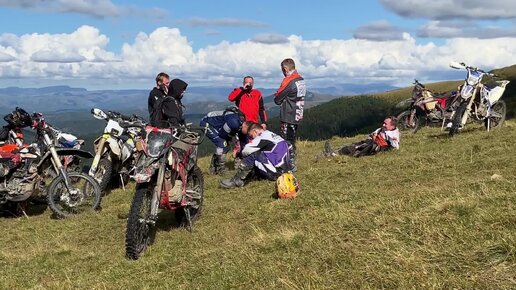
382	139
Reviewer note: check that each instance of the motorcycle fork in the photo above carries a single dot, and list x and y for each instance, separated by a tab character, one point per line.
98	154
156	195
412	115
56	161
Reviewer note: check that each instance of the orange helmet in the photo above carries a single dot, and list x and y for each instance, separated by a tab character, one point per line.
287	186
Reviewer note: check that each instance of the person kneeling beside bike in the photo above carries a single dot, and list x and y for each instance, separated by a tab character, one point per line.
221	127
382	139
267	154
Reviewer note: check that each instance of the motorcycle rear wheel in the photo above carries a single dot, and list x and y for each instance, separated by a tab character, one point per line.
500	108
403	122
139	229
84	195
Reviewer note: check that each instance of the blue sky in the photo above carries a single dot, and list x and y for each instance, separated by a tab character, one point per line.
115	44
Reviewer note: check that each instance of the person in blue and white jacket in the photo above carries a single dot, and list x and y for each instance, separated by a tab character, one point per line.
267	154
221	127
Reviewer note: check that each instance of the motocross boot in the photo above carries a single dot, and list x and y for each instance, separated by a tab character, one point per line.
239	179
213	164
221	164
328	150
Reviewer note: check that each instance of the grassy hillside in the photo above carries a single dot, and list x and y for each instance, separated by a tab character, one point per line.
348	116
438	213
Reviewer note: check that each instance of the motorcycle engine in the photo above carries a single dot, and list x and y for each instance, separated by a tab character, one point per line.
16	189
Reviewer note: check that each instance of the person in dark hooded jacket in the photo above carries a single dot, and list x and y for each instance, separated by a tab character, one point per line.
172	106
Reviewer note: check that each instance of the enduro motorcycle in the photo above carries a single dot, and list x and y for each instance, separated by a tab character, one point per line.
425	107
16	138
24	175
478	102
167	178
115	150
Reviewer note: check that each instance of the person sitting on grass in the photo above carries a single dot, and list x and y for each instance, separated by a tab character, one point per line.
382	139
267	154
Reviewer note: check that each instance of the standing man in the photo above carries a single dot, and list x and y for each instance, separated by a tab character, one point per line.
291	97
155	96
250	103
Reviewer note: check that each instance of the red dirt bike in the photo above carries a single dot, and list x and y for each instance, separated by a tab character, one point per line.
24	174
425	107
167	178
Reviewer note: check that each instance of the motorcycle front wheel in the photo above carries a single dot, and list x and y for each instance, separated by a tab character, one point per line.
457	119
139	225
83	194
104	173
404	123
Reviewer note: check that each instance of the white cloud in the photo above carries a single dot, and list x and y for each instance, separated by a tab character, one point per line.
94	8
83	54
6	57
449	9
211	22
458	29
269	38
379	31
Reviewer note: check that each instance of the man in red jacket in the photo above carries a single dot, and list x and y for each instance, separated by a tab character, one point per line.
250	103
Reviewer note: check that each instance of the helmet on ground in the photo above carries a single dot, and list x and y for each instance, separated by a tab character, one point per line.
287	185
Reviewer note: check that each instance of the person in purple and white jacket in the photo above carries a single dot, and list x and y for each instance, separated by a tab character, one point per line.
267	154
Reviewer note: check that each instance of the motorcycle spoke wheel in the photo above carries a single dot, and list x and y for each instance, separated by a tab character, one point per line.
498	113
83	195
104	173
139	226
194	197
404	123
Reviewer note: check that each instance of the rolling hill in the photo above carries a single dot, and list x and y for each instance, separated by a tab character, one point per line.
438	213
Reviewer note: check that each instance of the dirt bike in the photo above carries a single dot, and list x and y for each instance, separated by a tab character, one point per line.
16	137
425	107
478	101
115	152
24	175
167	178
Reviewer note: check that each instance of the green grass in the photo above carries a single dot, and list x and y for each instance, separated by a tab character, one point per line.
438	213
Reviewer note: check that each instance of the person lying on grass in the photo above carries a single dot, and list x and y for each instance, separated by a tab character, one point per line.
267	155
382	139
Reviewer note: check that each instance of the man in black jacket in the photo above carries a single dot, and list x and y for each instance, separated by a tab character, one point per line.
291	97
157	94
172	106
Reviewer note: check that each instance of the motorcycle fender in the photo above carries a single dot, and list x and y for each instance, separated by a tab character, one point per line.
495	94
114	146
112	142
64	152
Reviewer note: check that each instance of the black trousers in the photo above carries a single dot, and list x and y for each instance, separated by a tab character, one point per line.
289	133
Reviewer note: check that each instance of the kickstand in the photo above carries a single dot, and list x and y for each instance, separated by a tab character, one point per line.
122	181
188	219
22	210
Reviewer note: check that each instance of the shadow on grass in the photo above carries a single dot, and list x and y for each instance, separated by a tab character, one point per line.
16	209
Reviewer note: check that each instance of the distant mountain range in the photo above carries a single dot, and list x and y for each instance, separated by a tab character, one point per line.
68	99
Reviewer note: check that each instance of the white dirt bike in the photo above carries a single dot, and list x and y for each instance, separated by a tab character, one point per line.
115	150
479	102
